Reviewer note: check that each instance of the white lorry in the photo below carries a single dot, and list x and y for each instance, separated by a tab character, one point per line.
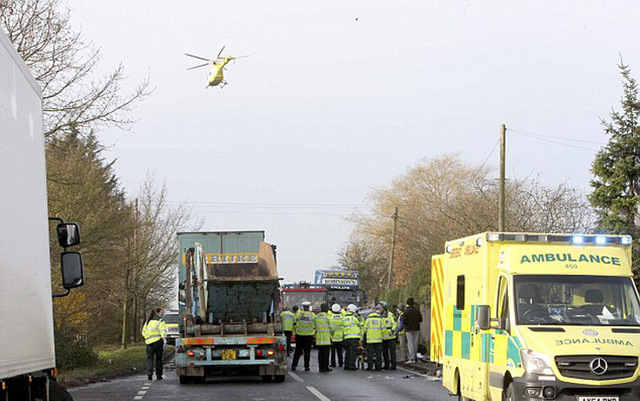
27	353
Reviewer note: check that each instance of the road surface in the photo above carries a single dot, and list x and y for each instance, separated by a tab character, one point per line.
299	385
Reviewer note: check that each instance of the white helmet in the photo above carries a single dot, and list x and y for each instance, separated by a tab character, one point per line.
335	308
306	303
352	308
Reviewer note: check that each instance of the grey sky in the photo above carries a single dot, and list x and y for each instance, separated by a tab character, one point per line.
339	97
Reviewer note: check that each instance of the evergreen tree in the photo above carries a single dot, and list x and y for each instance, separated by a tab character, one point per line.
616	168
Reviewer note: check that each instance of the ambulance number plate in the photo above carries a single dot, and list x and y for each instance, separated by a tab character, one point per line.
229	354
598	398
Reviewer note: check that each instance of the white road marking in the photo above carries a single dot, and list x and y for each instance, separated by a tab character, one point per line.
296	377
318	394
142	392
137	397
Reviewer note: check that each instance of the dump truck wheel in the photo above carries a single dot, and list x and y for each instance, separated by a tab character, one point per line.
267	378
279	378
184	379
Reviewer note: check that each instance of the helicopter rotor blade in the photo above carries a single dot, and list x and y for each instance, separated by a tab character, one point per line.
197	66
245	56
198	57
220	52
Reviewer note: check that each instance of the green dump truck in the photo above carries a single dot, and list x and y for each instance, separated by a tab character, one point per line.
229	296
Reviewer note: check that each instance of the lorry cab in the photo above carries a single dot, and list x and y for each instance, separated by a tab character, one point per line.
537	316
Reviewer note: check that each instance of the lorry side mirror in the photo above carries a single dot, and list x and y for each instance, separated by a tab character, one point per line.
68	234
483	317
72	270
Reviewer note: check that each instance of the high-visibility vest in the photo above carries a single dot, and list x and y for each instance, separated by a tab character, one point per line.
154	330
287	320
323	331
337	326
389	326
373	328
304	323
351	326
400	317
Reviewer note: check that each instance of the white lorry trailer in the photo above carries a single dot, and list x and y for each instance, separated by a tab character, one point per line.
27	354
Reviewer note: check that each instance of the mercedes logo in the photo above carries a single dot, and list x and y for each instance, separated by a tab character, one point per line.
599	366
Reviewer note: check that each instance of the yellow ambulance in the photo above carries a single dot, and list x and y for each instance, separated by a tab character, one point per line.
518	316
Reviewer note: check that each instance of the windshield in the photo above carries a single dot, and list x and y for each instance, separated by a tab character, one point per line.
576	300
344	297
296	298
171	318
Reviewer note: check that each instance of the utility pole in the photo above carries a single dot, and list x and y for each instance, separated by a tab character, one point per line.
503	145
393	248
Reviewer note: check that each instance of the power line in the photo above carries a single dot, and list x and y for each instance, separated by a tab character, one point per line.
542	137
555	137
556	142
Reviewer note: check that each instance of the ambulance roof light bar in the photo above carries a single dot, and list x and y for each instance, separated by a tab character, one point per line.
577	239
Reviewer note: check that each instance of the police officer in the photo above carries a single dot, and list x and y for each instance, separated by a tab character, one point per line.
286	316
154	332
352	330
373	335
304	327
389	326
323	338
337	333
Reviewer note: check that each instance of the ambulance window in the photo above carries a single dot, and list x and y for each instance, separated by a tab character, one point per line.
502	290
460	293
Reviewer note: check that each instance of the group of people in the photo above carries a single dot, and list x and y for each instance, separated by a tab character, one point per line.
337	329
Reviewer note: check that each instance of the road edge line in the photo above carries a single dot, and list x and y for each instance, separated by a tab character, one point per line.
318	394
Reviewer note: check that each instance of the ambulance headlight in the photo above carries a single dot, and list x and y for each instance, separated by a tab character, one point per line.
535	362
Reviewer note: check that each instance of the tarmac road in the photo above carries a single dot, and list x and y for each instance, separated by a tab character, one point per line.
300	385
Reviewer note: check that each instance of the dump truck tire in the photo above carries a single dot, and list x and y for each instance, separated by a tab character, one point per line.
279	378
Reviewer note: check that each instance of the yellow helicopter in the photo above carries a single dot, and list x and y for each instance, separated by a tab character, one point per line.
216	76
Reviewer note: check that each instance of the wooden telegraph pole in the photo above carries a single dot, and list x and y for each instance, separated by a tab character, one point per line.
503	144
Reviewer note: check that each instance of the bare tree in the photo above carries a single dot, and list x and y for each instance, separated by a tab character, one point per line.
63	63
149	279
445	198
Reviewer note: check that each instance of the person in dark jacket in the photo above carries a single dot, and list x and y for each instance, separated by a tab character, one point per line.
411	319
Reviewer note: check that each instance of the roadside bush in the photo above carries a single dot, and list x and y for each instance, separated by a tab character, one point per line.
73	350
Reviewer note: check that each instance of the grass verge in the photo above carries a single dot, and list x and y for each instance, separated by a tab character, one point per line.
112	363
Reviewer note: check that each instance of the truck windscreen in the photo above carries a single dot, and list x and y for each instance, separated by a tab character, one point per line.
576	300
344	297
296	298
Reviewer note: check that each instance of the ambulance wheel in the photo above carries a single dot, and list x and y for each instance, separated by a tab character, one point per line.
509	395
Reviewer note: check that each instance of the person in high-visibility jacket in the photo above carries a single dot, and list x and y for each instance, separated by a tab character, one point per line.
373	335
154	332
337	333
352	329
389	326
286	316
402	338
305	327
323	338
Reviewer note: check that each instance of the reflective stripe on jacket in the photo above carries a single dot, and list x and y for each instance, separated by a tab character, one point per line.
337	326
154	330
323	331
287	320
351	326
373	328
304	323
389	326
